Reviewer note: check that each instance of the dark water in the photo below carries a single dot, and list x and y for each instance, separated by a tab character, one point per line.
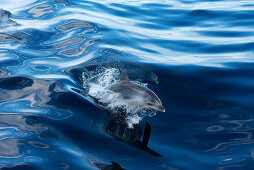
196	55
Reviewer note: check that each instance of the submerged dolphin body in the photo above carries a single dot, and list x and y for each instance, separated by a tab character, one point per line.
135	95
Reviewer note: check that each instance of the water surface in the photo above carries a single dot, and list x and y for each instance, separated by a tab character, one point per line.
196	55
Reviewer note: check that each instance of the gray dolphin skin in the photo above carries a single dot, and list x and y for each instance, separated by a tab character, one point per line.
135	95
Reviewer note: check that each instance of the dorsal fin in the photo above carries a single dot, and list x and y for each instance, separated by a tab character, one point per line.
124	77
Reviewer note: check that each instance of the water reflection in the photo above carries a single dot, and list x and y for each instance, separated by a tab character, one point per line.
68	42
12	146
7	38
40	10
223	136
9	148
5	20
77	51
62	1
75	24
30	96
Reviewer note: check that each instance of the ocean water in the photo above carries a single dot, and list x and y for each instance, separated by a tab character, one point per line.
57	57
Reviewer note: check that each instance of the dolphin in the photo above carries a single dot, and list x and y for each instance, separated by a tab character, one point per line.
135	95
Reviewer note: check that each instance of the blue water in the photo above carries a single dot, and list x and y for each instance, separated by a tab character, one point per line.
196	55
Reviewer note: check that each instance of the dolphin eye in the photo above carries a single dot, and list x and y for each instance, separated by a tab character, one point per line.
149	104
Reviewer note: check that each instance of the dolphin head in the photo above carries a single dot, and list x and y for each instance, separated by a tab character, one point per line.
152	102
146	98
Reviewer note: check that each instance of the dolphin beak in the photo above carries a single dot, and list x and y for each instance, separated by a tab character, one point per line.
161	108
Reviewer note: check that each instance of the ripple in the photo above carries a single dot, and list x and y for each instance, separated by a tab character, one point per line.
197	55
5	20
9	149
38	144
68	42
77	51
214	128
40	10
42	68
72	25
6	38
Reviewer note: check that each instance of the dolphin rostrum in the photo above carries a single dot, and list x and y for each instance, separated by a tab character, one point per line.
135	95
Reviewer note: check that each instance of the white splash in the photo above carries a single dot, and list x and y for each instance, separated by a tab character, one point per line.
97	82
133	119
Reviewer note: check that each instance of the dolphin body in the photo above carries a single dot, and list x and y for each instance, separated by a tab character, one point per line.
135	95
